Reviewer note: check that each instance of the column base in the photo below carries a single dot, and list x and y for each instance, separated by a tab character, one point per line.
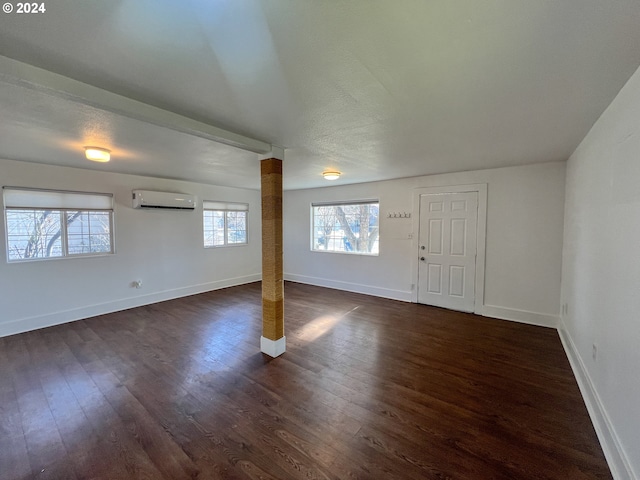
273	348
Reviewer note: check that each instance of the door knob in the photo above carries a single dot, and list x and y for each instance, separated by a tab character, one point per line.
422	258
422	247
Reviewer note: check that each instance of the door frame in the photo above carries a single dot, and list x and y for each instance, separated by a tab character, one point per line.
481	235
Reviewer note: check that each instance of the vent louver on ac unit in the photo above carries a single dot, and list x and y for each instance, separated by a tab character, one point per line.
163	200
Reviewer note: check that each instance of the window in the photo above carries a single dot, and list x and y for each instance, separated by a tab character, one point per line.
224	223
50	224
346	227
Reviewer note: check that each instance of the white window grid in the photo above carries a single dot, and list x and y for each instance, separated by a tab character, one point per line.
330	235
225	227
50	224
38	234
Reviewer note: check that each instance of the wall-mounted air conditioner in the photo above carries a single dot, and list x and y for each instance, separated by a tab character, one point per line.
166	200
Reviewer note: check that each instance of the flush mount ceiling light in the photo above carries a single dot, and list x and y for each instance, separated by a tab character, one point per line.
97	154
331	175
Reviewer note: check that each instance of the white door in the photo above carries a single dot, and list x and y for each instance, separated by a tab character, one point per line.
447	250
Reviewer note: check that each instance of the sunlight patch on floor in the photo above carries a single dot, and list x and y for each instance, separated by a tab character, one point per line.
318	327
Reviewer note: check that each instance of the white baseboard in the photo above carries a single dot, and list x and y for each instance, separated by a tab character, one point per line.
56	318
402	295
522	316
492	311
616	457
273	348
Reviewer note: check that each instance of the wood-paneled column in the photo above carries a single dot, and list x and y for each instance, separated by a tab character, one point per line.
273	341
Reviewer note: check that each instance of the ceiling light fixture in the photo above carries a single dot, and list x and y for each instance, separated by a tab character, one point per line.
97	154
331	175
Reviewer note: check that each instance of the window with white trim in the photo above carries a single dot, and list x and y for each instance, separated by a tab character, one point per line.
346	227
43	224
224	223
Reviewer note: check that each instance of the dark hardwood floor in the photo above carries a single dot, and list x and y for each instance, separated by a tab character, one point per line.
368	388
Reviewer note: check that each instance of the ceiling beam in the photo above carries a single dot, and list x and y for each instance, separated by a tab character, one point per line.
19	73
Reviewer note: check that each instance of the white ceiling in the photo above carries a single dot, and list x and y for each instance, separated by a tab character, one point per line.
378	89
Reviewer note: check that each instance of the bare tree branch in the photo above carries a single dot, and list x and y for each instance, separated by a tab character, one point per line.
56	235
344	223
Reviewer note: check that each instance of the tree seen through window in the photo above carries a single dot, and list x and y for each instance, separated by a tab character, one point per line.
351	228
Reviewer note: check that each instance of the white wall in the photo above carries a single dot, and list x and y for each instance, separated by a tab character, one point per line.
523	244
601	276
162	248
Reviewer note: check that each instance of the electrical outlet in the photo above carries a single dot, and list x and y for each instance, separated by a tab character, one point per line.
594	352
